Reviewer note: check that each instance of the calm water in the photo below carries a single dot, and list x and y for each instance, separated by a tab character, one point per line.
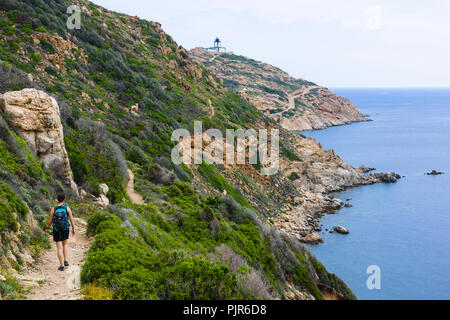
403	228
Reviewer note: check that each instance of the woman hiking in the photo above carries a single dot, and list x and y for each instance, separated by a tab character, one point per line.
59	216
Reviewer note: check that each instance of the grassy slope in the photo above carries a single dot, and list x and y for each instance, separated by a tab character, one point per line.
183	244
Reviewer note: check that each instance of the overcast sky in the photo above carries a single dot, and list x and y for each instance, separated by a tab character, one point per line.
348	43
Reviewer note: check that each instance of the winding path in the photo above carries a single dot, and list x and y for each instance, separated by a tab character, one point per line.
133	195
292	97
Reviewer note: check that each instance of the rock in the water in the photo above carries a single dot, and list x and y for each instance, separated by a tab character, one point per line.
36	117
312	238
341	229
348	205
434	173
386	176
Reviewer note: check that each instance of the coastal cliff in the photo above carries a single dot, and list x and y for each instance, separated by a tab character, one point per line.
204	231
296	104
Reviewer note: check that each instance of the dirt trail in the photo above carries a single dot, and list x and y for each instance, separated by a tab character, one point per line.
43	279
213	112
292	97
135	197
46	282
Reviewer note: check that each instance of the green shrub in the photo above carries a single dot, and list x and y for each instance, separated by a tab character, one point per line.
302	277
13	200
11	289
294	176
7	220
218	182
96	219
289	154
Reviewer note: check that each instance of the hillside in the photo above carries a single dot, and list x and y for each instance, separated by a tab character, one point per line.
295	104
80	109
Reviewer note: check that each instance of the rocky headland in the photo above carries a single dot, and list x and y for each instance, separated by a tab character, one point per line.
296	104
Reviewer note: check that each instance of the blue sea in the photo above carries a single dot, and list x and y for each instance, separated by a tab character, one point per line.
403	228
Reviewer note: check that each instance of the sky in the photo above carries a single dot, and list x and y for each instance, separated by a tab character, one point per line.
347	43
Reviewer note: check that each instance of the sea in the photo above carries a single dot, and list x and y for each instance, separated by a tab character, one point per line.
399	241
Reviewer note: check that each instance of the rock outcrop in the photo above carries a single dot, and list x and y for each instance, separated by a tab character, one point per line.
296	104
312	238
36	119
386	176
341	229
102	201
434	173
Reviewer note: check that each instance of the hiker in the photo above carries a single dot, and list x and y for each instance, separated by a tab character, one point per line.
60	216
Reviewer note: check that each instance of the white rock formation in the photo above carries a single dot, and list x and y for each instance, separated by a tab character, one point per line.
36	119
104	188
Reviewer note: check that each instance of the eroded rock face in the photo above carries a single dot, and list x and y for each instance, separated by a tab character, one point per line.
36	119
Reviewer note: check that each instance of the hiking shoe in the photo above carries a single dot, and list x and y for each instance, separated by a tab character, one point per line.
61	268
66	263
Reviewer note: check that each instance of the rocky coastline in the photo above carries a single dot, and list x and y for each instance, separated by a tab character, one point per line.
317	181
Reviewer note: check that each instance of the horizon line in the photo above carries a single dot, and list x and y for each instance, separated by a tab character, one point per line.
391	87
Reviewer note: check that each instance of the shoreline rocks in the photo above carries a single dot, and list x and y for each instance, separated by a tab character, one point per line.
341	230
389	177
312	238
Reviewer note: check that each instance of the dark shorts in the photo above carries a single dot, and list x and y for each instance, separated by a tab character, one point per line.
60	235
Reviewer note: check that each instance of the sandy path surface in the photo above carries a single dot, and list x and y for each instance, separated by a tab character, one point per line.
44	279
135	197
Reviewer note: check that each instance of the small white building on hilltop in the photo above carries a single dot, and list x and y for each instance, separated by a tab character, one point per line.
217	46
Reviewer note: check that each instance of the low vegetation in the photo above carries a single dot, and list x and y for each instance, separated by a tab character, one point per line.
185	242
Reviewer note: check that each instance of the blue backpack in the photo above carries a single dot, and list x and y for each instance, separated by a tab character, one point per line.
61	219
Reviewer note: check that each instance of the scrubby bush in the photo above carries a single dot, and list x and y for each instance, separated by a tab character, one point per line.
96	219
294	176
158	175
12	78
210	173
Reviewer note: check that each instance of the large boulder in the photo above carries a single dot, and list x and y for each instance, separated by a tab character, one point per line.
341	229
102	201
312	238
104	189
36	119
